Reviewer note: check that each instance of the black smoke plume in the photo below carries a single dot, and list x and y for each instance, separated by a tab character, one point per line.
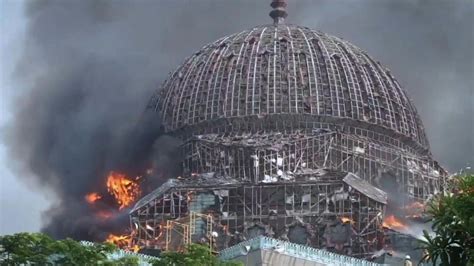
89	67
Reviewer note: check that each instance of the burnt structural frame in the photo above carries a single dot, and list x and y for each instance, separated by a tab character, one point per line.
277	107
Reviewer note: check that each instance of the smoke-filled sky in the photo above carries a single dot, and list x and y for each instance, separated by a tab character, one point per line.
76	76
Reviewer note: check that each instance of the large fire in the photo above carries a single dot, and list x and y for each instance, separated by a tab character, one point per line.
392	222
124	189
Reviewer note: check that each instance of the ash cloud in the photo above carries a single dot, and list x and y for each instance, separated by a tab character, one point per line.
89	68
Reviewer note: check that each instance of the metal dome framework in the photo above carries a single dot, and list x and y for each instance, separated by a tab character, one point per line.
285	127
286	69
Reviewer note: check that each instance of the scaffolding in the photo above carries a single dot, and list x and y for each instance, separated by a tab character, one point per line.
183	235
306	212
194	216
326	189
288	133
268	157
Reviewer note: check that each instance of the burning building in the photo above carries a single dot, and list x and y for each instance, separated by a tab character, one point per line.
290	133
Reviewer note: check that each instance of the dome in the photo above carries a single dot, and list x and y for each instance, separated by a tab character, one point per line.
286	69
286	129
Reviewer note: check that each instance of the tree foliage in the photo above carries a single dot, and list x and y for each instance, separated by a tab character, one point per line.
195	254
40	249
453	225
125	261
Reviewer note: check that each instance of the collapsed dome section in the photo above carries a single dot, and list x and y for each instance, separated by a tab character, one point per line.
276	70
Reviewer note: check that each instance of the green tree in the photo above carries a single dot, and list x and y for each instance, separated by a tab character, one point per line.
453	225
40	249
125	261
195	254
24	247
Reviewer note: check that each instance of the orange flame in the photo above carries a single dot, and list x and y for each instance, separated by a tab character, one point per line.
347	220
392	222
92	197
135	248
123	242
124	189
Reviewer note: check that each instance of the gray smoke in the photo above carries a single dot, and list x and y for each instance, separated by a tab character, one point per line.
428	45
90	66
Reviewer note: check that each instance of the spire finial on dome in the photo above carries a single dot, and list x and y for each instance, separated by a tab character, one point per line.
279	11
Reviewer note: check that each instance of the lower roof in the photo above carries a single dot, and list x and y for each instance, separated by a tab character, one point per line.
208	180
318	256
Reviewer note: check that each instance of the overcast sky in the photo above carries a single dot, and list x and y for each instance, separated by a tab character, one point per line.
20	206
428	45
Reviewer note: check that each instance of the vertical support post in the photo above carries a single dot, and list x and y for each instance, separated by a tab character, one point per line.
168	234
